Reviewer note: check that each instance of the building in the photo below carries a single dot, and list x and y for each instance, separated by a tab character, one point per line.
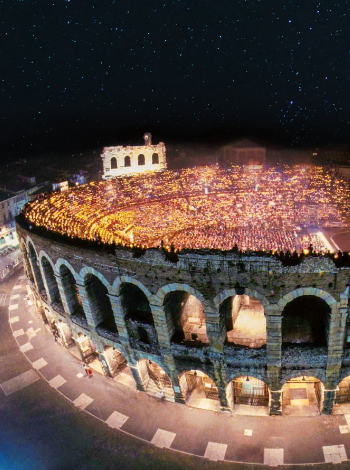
121	160
11	203
243	152
210	329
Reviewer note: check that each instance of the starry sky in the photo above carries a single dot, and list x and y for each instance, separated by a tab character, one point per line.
80	73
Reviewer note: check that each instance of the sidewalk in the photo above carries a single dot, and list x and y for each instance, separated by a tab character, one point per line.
216	436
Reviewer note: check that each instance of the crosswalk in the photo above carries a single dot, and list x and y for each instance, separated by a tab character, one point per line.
4	299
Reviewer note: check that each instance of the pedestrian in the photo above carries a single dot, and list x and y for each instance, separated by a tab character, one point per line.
89	372
55	334
86	367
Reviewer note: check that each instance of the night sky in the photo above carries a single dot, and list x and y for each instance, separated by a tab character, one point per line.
86	73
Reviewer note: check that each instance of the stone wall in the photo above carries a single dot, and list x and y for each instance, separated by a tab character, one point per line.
211	278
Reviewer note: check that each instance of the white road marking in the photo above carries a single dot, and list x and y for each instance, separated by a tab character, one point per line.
39	364
163	438
80	375
26	347
57	381
13	307
18	333
273	457
13	297
83	401
116	420
19	382
19	286
248	432
334	454
14	320
215	451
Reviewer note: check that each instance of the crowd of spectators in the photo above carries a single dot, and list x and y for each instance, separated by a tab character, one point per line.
257	208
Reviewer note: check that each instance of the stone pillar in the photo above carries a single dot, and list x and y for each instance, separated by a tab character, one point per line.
161	326
328	401
216	330
137	377
274	377
104	363
274	336
27	267
65	300
86	305
220	382
179	397
276	402
36	272
118	313
337	332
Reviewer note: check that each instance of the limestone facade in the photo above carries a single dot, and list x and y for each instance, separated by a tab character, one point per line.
121	160
63	279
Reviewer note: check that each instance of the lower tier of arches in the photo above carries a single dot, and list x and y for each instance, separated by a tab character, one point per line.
251	390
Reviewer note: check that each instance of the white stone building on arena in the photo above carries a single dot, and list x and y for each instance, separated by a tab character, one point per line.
121	160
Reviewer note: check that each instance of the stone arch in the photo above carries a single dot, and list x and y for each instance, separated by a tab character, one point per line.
35	265
232	292
199	390
248	390
300	373
138	316
131	280
156	379
28	268
127	161
181	369
87	270
343	375
96	288
62	262
242	315
70	292
306	291
141	159
155	159
252	373
113	163
49	277
306	319
163	291
184	314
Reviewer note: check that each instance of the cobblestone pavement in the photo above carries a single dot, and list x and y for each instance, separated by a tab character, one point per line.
122	413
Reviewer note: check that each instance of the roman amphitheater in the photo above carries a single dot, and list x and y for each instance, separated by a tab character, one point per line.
219	289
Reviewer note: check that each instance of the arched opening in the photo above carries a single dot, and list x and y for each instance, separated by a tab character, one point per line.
155	159
185	318
113	163
155	380
51	283
302	396
248	396
138	318
306	322
199	390
245	321
36	270
100	305
127	161
85	350
65	333
116	366
342	397
141	159
73	299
